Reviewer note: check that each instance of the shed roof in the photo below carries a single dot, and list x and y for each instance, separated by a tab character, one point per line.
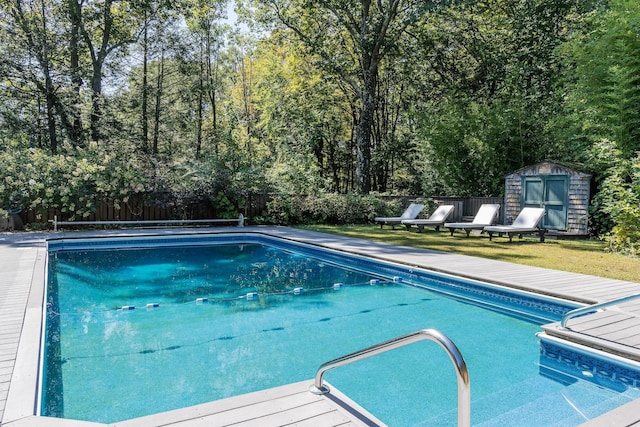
550	163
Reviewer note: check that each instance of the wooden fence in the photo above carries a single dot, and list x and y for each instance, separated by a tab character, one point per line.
144	209
141	208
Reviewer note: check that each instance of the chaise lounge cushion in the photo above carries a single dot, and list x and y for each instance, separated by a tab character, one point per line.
485	216
411	212
437	218
525	223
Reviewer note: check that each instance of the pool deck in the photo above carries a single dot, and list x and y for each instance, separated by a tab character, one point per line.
22	262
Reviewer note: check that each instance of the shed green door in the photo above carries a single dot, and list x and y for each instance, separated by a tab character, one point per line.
550	192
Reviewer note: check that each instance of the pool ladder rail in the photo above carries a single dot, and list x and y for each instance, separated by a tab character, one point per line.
462	374
591	308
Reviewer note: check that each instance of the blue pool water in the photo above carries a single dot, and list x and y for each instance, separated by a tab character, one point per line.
105	363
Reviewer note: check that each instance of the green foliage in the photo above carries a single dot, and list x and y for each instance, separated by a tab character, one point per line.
74	182
285	209
224	206
301	114
620	200
457	95
78	181
602	119
326	208
606	75
494	72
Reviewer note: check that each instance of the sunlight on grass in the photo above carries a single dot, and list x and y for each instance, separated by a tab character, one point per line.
577	256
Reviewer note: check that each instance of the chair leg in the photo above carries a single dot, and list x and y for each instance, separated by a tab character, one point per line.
542	235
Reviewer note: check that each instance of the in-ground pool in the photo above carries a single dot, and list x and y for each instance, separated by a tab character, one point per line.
136	327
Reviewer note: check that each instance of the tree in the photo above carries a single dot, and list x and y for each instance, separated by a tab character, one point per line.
304	114
351	39
106	27
491	79
602	114
32	57
52	42
205	21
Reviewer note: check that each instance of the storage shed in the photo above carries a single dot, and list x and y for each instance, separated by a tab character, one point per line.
562	191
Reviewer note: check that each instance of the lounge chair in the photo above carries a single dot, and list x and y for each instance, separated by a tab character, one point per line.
485	216
525	223
411	212
437	219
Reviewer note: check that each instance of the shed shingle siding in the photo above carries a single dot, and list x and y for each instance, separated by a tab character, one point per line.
578	197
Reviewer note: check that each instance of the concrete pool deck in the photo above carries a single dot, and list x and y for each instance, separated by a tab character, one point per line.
23	258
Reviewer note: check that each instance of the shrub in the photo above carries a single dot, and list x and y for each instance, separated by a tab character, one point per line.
73	182
619	197
324	208
284	209
76	181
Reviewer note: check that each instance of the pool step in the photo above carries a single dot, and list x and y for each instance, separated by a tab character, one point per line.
574	412
534	408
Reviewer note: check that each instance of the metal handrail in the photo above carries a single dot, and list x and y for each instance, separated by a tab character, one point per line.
588	309
464	392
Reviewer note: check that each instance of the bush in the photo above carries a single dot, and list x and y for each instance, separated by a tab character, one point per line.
619	198
73	182
326	208
78	180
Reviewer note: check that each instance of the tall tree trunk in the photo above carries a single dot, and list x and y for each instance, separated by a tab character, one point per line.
98	56
145	86
200	102
158	107
36	36
246	94
49	89
96	103
363	144
212	76
75	129
51	119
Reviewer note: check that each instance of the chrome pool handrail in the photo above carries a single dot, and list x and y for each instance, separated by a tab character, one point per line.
464	392
588	309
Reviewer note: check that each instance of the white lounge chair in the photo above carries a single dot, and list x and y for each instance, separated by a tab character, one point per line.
437	218
525	223
485	216
411	212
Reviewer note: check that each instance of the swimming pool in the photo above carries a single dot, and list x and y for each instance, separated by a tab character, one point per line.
238	341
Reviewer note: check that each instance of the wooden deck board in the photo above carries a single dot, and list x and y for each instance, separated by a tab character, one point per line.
291	404
619	331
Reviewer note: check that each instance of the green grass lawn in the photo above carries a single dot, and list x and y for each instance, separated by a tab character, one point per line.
578	256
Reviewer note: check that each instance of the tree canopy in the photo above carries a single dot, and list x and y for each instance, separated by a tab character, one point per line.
115	98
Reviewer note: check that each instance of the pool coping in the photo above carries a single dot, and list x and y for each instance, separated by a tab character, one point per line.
23	378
